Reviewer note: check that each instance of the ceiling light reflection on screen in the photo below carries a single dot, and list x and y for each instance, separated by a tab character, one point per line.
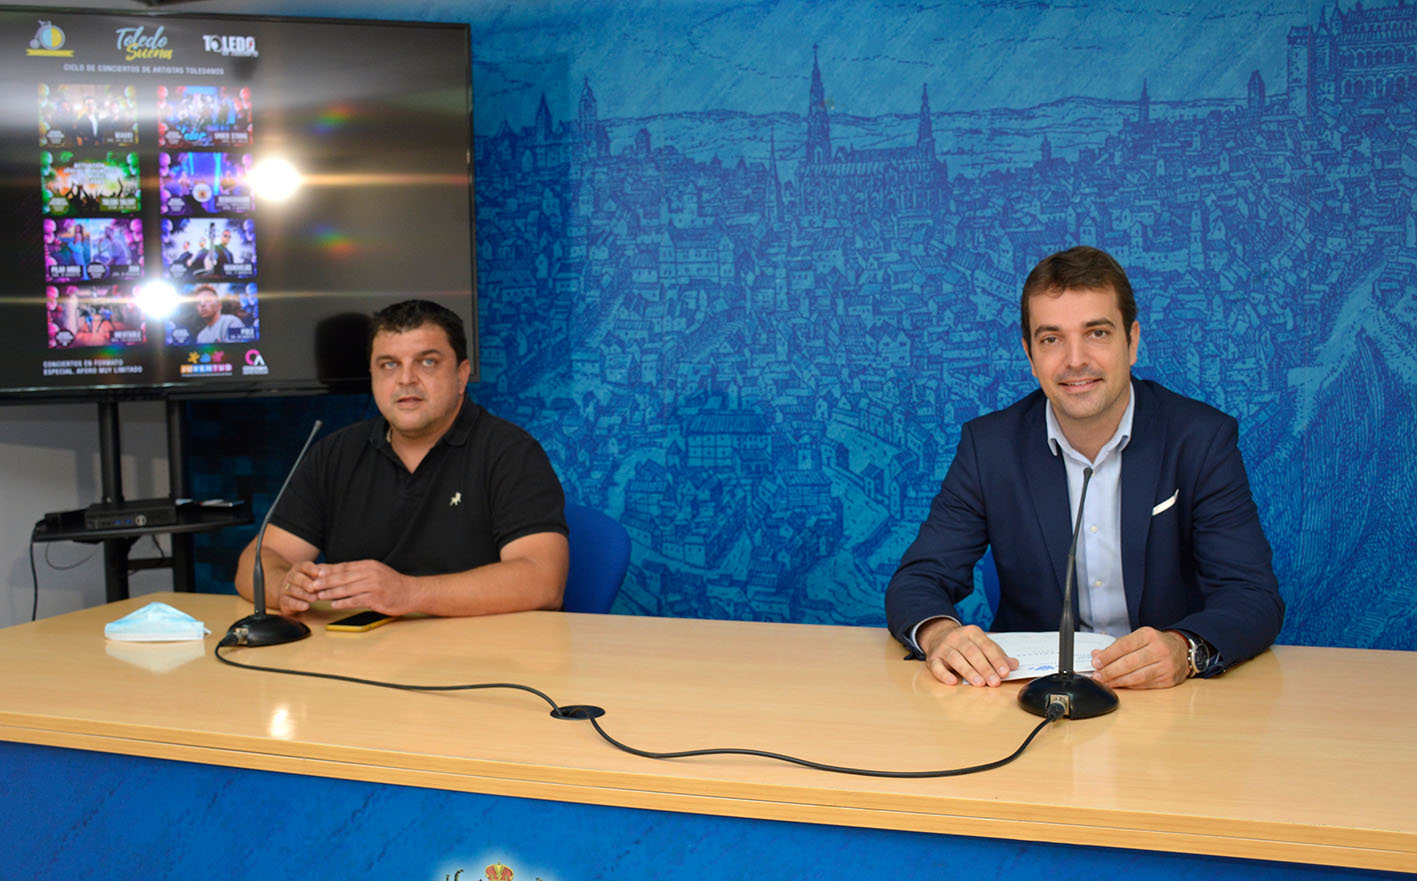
275	179
157	299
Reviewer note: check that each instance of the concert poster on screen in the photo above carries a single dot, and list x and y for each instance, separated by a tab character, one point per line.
88	115
204	116
81	249
103	182
215	312
96	315
204	183
216	248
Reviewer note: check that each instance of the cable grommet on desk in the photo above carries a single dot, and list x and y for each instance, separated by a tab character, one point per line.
577	711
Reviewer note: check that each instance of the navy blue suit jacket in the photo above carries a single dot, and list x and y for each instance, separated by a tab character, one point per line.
1200	563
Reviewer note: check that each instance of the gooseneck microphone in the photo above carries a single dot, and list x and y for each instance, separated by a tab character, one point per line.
260	628
1080	696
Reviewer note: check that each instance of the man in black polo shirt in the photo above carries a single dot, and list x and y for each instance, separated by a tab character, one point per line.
436	507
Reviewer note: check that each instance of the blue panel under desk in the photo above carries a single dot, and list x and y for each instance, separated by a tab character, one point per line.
76	814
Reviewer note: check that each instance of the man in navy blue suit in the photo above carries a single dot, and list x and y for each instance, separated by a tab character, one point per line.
1171	559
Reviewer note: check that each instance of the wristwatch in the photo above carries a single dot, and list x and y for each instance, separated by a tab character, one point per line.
1198	654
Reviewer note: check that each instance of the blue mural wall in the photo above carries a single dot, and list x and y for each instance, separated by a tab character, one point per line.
745	269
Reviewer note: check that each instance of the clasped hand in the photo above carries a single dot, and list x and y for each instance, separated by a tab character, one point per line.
360	584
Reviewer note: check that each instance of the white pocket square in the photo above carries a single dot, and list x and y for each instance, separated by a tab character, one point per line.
1166	504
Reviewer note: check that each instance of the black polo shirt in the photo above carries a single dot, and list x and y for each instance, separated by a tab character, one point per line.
485	483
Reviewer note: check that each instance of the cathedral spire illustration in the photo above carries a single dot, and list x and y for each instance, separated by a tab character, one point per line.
588	115
819	146
542	122
926	128
866	181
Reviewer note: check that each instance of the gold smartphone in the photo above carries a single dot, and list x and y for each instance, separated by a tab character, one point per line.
360	621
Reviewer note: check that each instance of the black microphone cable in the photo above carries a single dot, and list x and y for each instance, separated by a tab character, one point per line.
34	573
592	713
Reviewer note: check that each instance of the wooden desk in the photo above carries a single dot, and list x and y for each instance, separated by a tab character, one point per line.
1303	755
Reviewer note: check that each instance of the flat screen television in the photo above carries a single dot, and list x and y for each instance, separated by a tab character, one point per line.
131	145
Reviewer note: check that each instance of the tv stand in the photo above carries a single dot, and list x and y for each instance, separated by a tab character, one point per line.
118	534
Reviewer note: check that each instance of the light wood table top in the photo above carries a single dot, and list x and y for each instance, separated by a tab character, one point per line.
1301	755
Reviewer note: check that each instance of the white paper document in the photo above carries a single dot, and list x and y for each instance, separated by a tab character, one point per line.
1037	653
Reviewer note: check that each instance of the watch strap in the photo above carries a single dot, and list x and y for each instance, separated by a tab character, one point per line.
1193	652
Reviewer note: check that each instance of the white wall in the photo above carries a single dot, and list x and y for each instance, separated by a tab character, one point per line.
49	462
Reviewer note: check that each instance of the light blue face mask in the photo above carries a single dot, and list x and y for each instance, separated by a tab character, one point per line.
155	622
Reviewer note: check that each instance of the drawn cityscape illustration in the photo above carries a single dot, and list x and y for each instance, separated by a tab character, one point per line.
753	337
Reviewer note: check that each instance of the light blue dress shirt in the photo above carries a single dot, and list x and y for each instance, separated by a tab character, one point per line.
1102	599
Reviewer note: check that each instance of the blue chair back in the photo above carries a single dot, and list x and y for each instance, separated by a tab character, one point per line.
600	554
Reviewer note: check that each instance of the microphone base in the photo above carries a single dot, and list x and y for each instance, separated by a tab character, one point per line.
1082	697
262	629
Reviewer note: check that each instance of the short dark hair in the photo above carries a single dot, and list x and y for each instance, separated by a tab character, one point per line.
1083	268
413	314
